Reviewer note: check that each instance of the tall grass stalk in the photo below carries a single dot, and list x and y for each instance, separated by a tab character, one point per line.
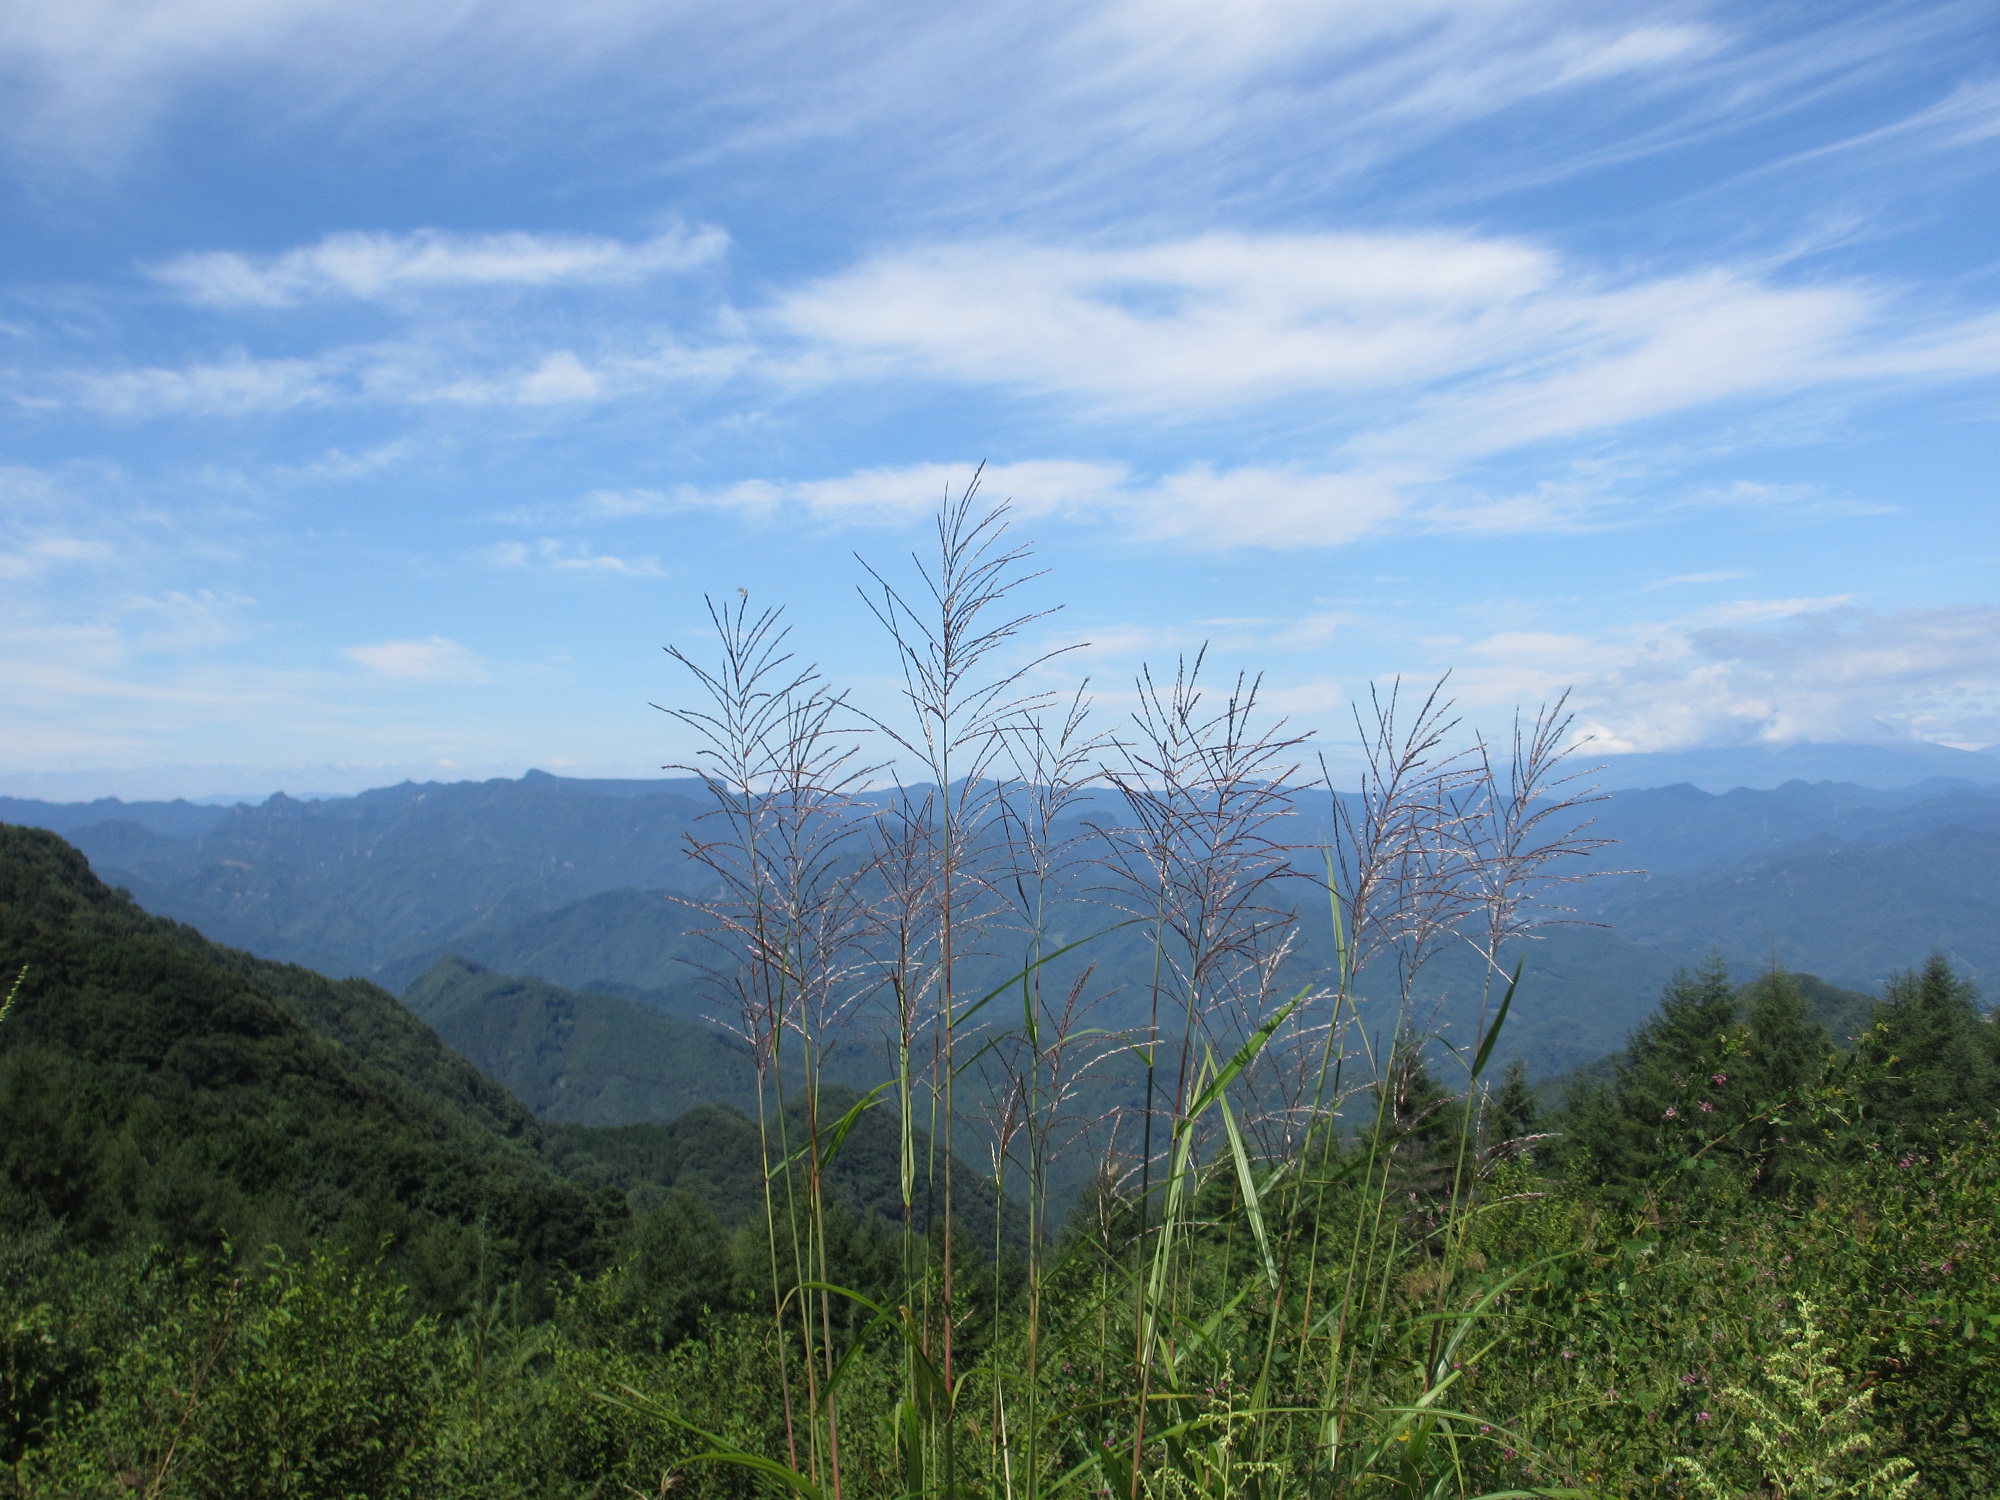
1276	1292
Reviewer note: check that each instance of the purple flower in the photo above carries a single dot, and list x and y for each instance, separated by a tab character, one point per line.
1701	1416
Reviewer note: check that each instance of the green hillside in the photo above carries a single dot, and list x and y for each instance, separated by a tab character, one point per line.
713	1154
155	1089
588	1059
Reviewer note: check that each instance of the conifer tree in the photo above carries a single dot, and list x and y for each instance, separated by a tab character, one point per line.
1785	1055
1671	1095
1512	1114
1930	1053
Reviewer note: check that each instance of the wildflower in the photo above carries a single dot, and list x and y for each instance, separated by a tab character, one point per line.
1701	1416
1669	1113
1907	1162
1506	1452
1718	1079
1707	1108
1484	1429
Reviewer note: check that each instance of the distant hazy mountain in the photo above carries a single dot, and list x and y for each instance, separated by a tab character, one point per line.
1766	766
641	944
1681	829
571	882
350	886
1852	913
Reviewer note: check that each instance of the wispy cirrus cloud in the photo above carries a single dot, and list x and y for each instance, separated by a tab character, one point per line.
1420	352
1206	507
1503	342
412	372
436	659
550	555
379	267
28	556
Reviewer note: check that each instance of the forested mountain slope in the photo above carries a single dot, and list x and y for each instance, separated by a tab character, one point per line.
586	1059
154	1088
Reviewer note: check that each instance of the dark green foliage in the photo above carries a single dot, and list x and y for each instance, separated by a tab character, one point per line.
1671	1091
1930	1052
714	1154
1512	1115
303	1380
154	1089
675	1272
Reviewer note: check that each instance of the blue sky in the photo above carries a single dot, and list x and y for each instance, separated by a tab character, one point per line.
381	386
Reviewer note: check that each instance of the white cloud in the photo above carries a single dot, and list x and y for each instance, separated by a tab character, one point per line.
232	387
887	496
1416	353
91	74
438	659
1769	671
1198	506
32	555
412	373
1489	343
1221	320
1263	508
1719	575
550	555
381	266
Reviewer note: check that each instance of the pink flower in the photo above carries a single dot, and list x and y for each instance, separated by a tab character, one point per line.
1718	1079
1707	1108
1669	1113
1701	1416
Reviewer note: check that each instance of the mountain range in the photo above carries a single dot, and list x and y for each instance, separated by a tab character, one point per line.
542	924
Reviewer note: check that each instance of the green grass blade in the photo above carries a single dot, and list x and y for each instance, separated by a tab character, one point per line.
1246	1182
1499	1020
